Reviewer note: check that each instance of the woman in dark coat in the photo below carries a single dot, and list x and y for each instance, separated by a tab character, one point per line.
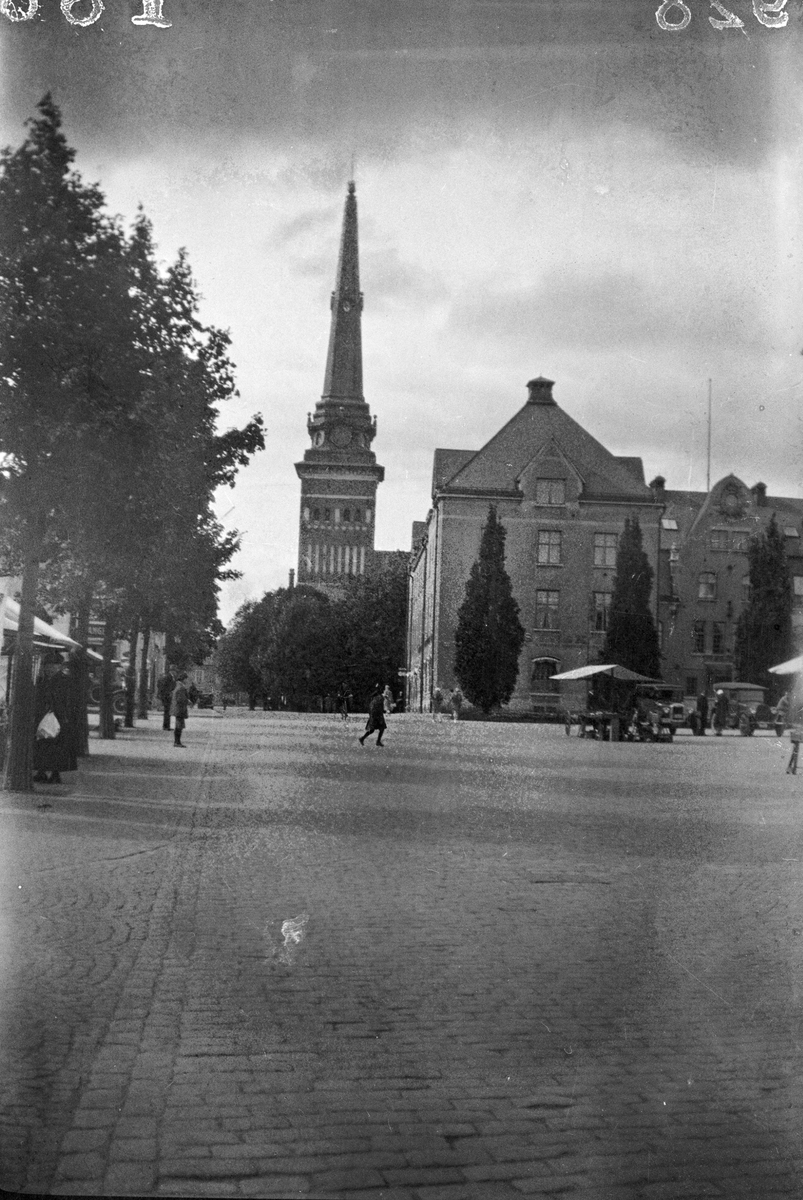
53	693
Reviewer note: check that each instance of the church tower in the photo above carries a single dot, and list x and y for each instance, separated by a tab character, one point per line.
339	473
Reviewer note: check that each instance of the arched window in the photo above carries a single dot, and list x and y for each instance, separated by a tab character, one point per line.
541	678
357	514
316	514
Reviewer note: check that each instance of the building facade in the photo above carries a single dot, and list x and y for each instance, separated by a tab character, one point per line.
339	473
563	499
703	581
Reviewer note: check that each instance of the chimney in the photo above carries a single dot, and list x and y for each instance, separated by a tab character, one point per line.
759	490
540	391
658	484
292	582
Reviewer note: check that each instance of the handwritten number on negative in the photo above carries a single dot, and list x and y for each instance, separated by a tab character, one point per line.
770	13
673	26
731	20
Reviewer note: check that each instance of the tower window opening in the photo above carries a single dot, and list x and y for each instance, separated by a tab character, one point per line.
357	515
346	514
327	514
316	514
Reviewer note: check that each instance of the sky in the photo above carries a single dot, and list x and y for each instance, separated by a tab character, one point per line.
552	187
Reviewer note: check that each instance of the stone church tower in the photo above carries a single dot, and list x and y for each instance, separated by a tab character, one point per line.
339	473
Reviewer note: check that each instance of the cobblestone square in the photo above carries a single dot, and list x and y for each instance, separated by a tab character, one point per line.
484	960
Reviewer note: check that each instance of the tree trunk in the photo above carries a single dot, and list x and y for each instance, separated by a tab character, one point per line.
18	772
82	636
131	674
107	729
142	706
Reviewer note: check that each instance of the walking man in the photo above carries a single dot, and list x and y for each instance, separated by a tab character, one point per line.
179	707
376	716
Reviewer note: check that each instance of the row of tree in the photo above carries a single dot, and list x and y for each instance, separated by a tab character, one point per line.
296	647
110	391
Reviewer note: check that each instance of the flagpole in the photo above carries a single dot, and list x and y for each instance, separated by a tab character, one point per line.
708	457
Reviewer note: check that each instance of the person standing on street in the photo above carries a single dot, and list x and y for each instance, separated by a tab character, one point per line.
54	749
702	713
164	690
179	707
376	716
720	712
456	703
343	701
387	696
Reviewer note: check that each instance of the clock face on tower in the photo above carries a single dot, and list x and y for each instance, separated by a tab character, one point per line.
341	436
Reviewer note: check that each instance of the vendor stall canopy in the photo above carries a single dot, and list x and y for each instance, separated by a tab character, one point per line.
611	669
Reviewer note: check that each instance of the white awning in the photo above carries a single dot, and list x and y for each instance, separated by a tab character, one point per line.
790	667
11	617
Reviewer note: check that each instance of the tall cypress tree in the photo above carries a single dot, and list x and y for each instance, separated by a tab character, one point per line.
764	629
632	639
489	633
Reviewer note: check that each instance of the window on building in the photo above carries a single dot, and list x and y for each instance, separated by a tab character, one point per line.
346	514
549	547
707	586
739	540
546	609
541	679
698	637
316	514
719	539
602	610
746	589
691	685
797	590
668	523
605	549
660	633
550	491
718	637
327	514
357	514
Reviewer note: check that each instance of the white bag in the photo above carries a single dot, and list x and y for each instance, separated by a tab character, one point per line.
48	727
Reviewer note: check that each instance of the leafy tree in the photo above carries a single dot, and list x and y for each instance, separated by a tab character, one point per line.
371	622
632	639
764	628
235	658
489	634
70	407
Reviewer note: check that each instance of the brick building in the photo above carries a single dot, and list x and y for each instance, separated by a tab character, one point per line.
563	499
703	581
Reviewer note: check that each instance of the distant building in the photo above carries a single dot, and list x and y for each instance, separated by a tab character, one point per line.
563	499
339	472
703	574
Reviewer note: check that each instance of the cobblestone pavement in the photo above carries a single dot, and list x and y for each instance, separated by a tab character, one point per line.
484	961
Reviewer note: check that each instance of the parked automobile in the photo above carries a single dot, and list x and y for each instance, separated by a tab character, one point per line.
747	708
206	700
660	709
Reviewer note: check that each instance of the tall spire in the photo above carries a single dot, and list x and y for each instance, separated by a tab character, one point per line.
343	378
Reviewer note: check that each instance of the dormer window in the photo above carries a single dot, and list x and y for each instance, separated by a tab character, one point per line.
550	492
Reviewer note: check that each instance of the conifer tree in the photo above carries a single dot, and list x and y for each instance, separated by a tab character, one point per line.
764	629
632	639
489	634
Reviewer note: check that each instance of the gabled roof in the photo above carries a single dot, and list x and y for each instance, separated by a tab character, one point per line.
497	466
446	464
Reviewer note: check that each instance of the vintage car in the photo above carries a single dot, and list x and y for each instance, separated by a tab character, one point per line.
660	709
747	709
206	700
